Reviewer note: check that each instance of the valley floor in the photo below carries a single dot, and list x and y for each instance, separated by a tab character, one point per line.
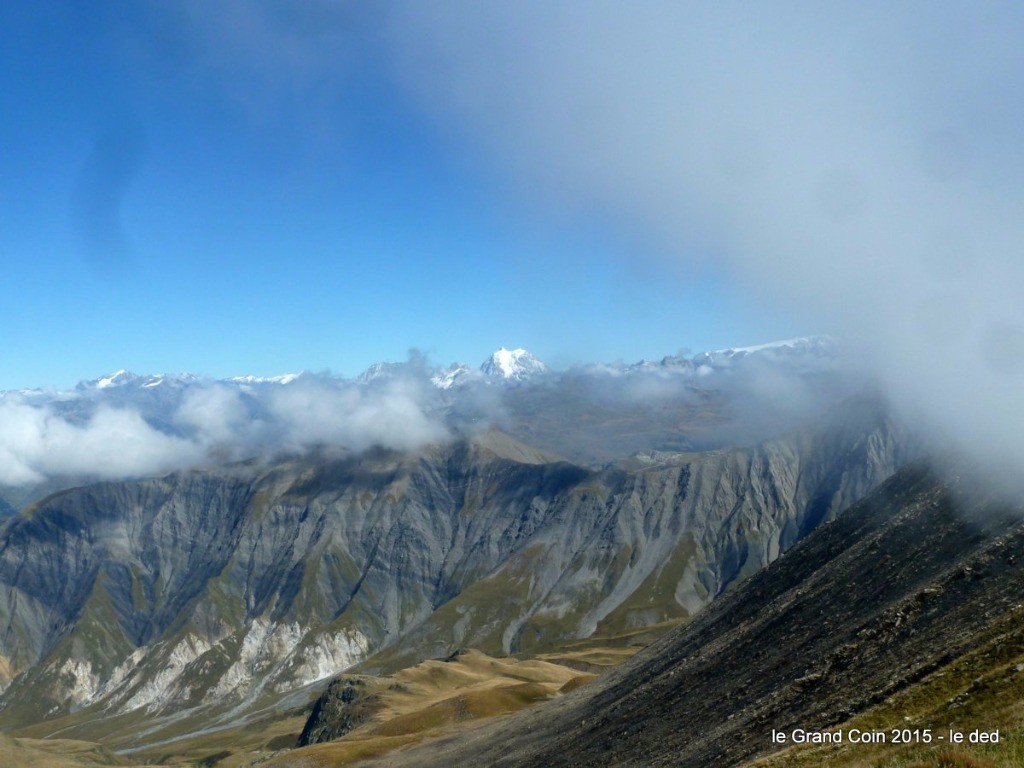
438	697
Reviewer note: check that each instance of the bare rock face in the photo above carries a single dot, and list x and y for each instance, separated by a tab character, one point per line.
343	707
211	588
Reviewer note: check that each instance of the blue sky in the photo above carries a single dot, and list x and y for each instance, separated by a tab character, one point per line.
175	196
261	186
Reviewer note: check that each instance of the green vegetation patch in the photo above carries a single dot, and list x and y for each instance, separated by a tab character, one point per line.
654	601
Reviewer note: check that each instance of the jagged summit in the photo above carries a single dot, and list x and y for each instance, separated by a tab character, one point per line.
800	345
507	366
286	378
125	378
804	352
455	375
115	379
513	365
383	370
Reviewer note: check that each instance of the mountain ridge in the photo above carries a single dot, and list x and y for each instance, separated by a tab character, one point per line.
137	426
512	365
211	587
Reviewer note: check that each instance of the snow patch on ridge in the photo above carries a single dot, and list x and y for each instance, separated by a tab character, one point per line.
456	375
286	378
115	379
512	365
800	341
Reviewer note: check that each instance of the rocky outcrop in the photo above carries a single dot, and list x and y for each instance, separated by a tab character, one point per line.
343	707
210	588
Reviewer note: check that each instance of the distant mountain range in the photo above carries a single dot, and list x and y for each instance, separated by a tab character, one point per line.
504	366
594	415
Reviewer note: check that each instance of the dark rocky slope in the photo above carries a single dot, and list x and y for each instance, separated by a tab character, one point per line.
861	609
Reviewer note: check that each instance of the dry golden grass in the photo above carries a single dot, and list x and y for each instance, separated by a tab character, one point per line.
344	752
437	697
236	747
427	699
576	682
54	753
591	659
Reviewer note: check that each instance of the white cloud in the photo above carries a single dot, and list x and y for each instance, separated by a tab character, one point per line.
217	415
390	413
214	422
36	443
860	163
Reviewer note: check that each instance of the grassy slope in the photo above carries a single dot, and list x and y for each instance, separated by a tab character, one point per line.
54	753
981	689
435	696
423	700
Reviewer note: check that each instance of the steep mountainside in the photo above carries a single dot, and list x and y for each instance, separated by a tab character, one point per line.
910	579
211	588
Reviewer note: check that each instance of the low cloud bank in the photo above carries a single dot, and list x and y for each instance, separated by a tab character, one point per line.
210	422
37	443
134	429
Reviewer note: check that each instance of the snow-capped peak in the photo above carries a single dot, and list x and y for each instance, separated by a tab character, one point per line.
386	370
802	349
286	378
512	365
125	378
801	342
115	379
456	375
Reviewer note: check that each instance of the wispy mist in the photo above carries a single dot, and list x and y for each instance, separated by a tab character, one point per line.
859	163
100	188
123	426
395	413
